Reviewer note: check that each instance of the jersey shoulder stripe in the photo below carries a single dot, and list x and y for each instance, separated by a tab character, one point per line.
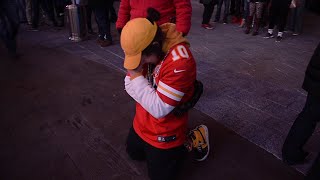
170	92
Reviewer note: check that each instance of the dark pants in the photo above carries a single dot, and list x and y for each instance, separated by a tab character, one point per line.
9	24
22	10
302	129
207	13
278	14
59	6
47	6
103	21
296	18
245	12
163	164
89	16
314	172
226	9
235	8
113	14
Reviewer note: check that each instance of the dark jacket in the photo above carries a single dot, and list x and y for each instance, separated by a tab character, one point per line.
312	78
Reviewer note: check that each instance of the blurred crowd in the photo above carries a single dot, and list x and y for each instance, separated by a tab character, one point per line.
286	15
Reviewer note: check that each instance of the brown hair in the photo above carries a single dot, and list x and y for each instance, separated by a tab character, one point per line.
155	47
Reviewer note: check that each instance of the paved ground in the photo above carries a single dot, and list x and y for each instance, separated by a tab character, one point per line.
252	86
65	117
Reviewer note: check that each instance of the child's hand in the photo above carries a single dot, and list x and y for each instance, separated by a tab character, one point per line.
136	72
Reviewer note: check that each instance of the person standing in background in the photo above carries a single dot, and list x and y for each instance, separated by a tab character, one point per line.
170	10
207	13
278	16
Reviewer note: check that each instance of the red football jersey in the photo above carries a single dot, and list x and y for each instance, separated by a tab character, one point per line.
174	79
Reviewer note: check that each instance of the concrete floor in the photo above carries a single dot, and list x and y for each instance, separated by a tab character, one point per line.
65	117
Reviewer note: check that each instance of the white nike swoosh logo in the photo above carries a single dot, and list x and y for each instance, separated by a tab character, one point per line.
178	71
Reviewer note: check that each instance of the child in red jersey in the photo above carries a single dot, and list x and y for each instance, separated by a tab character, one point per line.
159	135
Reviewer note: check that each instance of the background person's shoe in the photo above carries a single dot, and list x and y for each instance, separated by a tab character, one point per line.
200	142
279	39
33	29
207	26
242	23
105	43
268	36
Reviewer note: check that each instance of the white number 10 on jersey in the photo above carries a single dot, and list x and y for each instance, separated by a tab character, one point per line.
182	53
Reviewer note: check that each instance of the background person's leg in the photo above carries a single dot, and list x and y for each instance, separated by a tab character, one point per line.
273	15
35	13
252	8
89	16
301	130
282	18
207	13
258	17
29	11
10	25
298	23
218	13
103	21
113	14
226	10
48	7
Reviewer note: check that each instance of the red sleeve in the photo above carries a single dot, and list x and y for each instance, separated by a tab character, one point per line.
123	14
177	83
183	15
